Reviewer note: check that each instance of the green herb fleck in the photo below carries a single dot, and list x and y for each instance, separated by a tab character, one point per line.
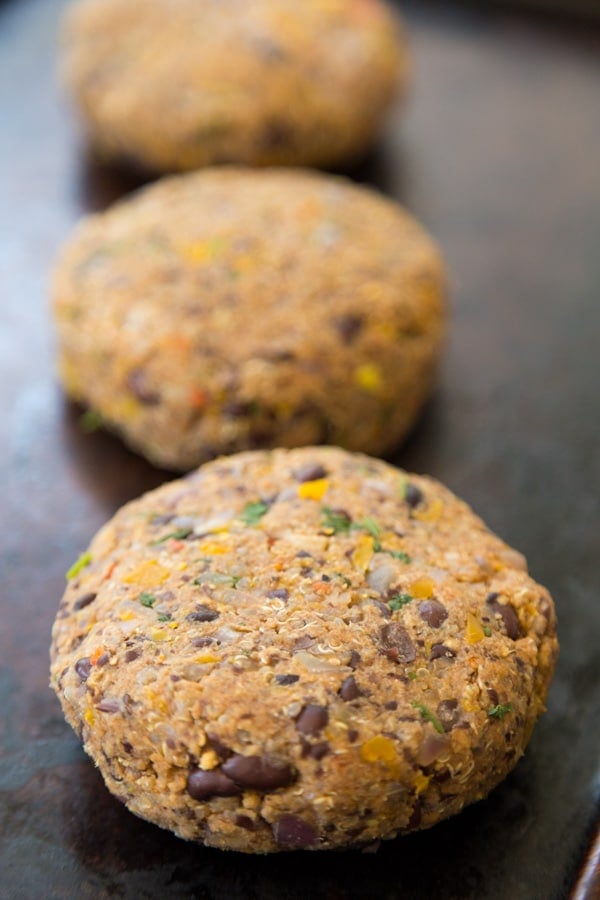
164	617
79	564
252	513
218	578
487	630
397	601
344	578
367	524
337	522
178	535
428	716
412	675
147	599
499	711
90	421
398	554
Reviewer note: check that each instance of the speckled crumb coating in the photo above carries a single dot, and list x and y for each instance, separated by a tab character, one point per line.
176	86
229	309
301	649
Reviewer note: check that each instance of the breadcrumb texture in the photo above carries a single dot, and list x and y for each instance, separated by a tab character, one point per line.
301	649
233	309
175	86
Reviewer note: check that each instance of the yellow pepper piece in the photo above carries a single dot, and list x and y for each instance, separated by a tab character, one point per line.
89	716
313	490
202	251
474	631
126	615
368	377
159	635
431	512
421	782
364	552
210	548
421	588
207	658
148	574
381	749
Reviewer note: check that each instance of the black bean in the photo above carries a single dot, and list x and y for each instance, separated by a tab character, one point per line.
244	822
352	735
103	659
127	747
130	655
440	651
309	472
448	713
137	384
395	642
433	612
287	679
349	689
294	833
348	326
202	614
355	659
383	608
318	751
83	667
412	494
303	554
391	704
109	705
303	642
201	785
312	719
279	594
493	695
508	616
221	749
85	600
203	642
259	772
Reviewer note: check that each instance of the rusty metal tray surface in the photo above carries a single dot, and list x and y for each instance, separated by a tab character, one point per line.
497	153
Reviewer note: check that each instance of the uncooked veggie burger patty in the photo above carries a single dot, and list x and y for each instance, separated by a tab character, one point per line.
301	649
174	86
229	309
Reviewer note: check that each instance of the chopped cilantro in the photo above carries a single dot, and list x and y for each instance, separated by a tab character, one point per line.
398	554
397	601
487	630
178	535
252	513
164	617
218	578
344	578
79	564
499	711
412	675
428	716
367	524
337	522
147	599
90	421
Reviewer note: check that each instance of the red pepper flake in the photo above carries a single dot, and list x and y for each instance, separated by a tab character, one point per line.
198	398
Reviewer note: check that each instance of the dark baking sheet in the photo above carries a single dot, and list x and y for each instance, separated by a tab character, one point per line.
498	154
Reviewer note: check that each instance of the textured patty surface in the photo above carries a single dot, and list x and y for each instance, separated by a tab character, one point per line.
175	86
301	649
229	309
